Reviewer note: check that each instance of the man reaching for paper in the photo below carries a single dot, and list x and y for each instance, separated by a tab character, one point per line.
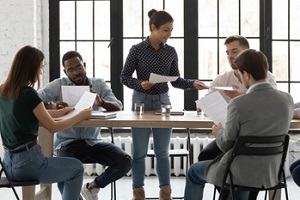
235	44
85	143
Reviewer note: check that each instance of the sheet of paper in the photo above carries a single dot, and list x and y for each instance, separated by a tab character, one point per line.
86	101
224	88
156	78
214	106
72	93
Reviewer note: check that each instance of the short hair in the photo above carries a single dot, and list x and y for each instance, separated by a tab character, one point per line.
69	55
159	18
253	62
242	40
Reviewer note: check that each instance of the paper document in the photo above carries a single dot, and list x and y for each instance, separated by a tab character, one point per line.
224	88
72	93
86	101
214	106
156	78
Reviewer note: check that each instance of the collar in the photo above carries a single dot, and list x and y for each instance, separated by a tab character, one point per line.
256	84
148	44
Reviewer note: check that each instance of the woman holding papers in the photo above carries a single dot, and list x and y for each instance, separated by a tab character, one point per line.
21	111
153	55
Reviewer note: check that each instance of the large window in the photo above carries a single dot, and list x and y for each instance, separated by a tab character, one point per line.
200	27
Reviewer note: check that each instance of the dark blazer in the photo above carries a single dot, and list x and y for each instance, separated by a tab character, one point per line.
263	111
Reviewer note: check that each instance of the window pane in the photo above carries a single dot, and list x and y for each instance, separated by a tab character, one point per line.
84	20
86	51
207	18
148	5
250	18
208	57
67	20
64	48
102	61
102	20
229	17
132	18
280	19
175	8
294	61
295	19
280	60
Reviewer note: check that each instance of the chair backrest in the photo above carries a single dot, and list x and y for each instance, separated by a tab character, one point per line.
261	146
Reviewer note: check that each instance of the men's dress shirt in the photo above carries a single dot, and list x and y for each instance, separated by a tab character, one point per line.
52	92
228	79
144	59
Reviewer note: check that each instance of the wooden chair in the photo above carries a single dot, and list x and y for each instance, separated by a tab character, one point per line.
260	146
5	181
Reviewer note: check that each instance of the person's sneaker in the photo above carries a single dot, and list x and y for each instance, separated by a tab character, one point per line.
89	194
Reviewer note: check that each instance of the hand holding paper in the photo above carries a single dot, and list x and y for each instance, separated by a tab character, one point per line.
86	101
214	106
156	78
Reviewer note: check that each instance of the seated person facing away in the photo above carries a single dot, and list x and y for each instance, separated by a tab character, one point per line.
21	111
251	114
85	143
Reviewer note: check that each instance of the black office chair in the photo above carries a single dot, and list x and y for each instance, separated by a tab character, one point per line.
113	186
5	181
272	145
177	153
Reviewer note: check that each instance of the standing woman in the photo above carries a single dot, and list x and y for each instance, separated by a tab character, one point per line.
21	110
153	55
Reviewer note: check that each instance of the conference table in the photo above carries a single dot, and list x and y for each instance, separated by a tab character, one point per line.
189	120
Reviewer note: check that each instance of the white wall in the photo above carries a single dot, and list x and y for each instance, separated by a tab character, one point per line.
22	22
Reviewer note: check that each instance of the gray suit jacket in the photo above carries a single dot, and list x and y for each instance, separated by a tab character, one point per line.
264	111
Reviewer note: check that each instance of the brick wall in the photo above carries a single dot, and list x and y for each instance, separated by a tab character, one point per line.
22	22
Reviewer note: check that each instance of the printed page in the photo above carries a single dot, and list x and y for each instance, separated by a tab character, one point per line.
155	78
86	101
214	106
72	93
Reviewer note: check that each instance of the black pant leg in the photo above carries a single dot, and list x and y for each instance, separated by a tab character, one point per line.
210	152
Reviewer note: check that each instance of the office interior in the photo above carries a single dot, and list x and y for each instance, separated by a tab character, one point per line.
103	31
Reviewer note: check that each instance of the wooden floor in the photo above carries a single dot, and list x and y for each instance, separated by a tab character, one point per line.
124	191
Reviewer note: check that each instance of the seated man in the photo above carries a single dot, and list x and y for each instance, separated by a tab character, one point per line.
85	143
234	45
251	114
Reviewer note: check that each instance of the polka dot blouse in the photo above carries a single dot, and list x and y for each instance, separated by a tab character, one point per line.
144	59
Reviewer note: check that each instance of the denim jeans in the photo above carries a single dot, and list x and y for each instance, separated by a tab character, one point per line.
32	165
195	182
140	141
104	153
295	171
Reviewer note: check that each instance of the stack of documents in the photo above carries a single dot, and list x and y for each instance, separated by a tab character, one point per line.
103	115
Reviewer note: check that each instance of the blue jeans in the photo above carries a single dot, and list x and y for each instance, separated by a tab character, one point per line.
104	153
140	141
32	165
195	182
295	171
